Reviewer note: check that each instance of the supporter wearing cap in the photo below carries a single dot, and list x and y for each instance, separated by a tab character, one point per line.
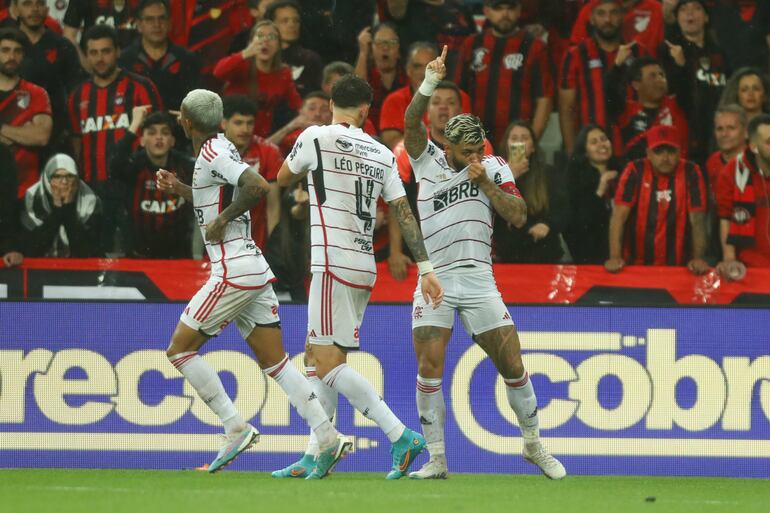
664	197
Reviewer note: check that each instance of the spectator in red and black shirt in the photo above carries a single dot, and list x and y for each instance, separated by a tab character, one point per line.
305	64
652	106
378	63
743	204
505	71
25	110
697	70
642	22
99	108
662	199
99	111
206	28
160	222
240	113
259	73
585	72
84	14
172	69
51	62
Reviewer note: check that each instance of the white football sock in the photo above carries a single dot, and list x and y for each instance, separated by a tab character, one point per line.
521	397
302	397
328	398
206	382
362	396
432	410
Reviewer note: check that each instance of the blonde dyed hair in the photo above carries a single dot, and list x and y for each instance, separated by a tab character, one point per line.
464	128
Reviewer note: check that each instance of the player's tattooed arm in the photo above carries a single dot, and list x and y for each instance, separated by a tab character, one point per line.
511	208
251	188
415	135
410	230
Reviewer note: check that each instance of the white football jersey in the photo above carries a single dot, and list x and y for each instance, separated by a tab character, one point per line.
236	259
347	172
455	215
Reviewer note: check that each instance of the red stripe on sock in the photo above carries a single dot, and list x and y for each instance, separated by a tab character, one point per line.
518	384
280	367
181	361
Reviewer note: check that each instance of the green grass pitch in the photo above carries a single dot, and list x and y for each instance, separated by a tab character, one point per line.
144	491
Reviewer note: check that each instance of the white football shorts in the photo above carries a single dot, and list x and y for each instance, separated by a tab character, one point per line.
217	304
335	312
469	291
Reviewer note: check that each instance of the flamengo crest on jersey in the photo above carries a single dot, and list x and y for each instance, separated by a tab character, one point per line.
456	216
236	259
347	172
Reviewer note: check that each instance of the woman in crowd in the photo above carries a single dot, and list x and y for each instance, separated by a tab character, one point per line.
591	177
539	240
749	89
259	73
61	214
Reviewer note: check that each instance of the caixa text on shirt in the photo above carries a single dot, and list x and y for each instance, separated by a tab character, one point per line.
447	197
100	123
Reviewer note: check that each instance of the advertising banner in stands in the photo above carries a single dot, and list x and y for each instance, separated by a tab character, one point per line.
588	285
653	391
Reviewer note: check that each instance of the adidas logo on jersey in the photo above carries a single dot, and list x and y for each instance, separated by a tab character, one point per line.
447	197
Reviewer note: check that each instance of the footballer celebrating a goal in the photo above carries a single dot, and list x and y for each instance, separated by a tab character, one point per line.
239	289
347	172
459	193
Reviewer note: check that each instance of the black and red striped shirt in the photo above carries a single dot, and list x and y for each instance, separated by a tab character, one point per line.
658	229
18	107
586	69
630	128
504	77
101	115
207	27
120	15
160	222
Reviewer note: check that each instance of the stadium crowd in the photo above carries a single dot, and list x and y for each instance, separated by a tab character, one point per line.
638	131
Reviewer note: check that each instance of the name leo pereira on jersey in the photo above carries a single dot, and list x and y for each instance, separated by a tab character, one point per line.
362	168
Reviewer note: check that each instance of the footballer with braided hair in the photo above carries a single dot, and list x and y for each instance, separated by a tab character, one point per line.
460	190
